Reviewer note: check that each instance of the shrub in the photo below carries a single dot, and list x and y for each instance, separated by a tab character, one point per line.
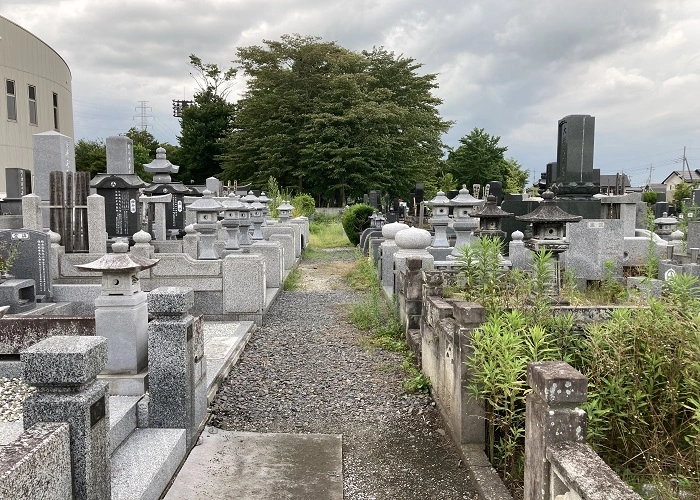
304	205
650	197
355	220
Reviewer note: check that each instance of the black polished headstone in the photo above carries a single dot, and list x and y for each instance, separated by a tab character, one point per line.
32	258
660	208
122	207
496	189
18	182
575	176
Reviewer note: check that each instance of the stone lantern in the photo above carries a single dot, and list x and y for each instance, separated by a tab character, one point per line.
285	212
121	316
440	219
379	221
246	221
162	183
490	217
232	218
464	224
207	211
266	210
119	270
256	214
548	231
664	226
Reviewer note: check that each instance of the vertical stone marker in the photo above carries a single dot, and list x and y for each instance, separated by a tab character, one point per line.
171	360
64	371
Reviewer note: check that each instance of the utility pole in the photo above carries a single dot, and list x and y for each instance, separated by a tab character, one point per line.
685	164
651	167
143	114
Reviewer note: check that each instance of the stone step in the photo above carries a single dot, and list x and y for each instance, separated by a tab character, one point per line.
145	463
122	419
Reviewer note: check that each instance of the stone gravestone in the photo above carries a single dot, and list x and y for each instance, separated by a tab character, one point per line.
52	152
575	173
32	259
120	189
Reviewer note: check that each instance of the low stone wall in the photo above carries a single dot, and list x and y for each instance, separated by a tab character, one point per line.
17	333
558	463
37	465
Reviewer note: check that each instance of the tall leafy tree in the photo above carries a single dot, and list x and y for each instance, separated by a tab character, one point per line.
206	123
478	159
516	177
91	156
333	122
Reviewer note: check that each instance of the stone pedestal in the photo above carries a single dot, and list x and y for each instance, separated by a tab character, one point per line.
171	361
63	369
553	416
123	321
31	212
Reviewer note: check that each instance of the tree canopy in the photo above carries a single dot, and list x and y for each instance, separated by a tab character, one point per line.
205	123
333	122
480	159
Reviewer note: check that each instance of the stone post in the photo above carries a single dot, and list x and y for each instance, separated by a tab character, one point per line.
56	251
31	212
171	361
97	224
190	242
387	249
553	416
160	232
64	371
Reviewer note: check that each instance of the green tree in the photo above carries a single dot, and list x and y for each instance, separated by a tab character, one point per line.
91	156
478	160
682	190
516	177
142	157
205	123
332	122
145	138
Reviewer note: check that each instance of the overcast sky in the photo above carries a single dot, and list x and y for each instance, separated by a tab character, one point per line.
511	67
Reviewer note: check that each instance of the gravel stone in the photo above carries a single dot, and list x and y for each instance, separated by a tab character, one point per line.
13	392
308	370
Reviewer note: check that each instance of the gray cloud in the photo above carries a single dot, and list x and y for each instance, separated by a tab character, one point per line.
511	67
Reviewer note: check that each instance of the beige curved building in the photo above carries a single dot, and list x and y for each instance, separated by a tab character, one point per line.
35	97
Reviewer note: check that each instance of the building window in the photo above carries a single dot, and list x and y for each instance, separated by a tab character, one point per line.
55	111
11	100
33	119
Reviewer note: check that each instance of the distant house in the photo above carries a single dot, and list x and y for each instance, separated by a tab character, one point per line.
676	177
614	183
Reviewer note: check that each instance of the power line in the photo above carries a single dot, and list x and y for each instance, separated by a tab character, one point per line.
143	115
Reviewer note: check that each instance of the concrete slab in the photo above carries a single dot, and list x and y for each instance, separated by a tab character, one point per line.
251	466
223	344
146	462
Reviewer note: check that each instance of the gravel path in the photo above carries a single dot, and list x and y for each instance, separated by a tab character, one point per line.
308	370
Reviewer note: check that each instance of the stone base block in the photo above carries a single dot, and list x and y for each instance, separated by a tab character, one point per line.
126	384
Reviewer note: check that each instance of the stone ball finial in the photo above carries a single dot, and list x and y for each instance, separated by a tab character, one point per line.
517	235
160	153
120	246
189	229
142	237
389	230
677	235
54	237
413	239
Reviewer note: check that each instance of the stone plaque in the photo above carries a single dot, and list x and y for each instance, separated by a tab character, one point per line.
32	259
122	216
596	225
97	411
